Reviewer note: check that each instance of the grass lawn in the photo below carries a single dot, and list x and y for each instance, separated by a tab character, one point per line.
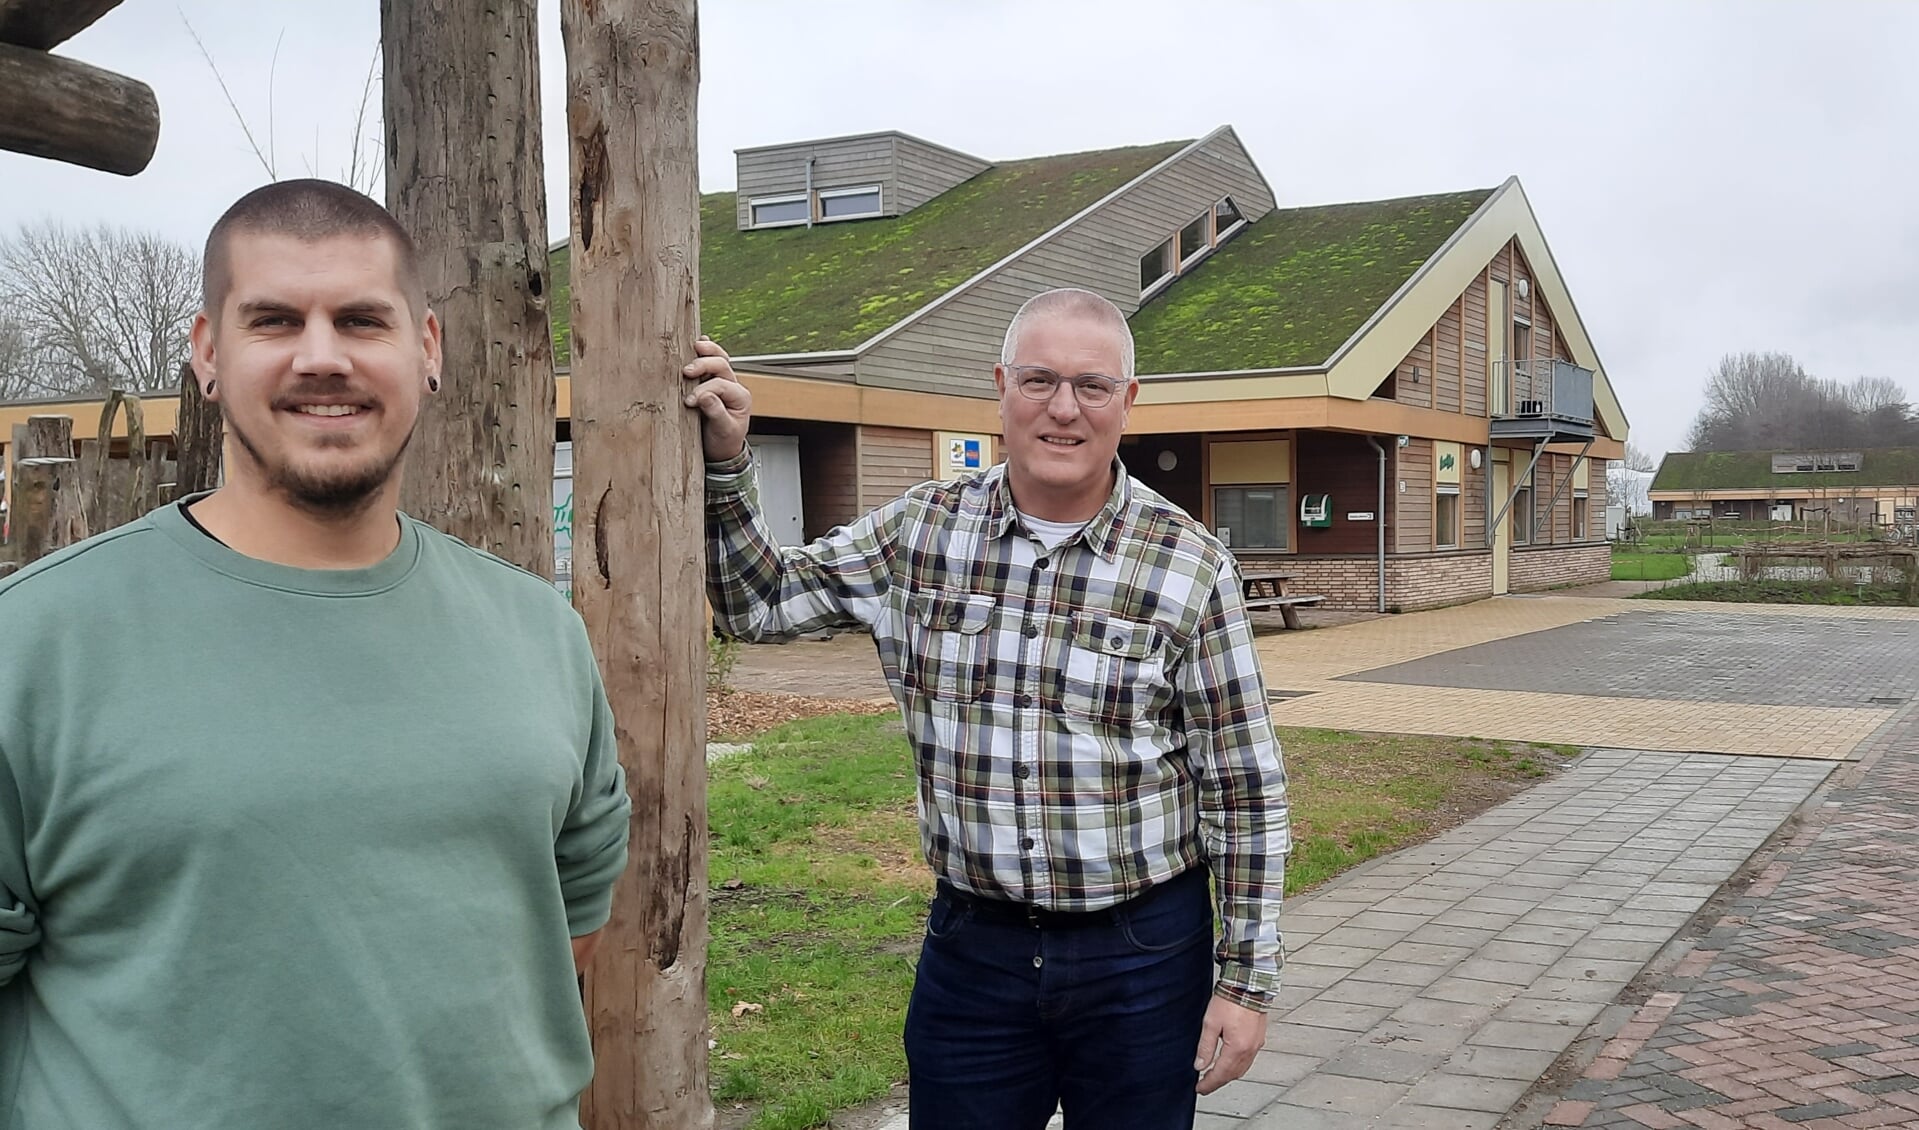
1782	592
1649	566
819	893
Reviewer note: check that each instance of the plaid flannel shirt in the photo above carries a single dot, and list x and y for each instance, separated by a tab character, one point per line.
1088	721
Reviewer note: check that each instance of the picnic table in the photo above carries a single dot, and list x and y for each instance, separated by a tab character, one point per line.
1265	589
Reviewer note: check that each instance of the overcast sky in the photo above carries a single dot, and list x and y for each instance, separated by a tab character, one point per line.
1712	177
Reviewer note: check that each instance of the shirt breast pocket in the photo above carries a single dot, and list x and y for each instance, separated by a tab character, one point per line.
1115	671
952	649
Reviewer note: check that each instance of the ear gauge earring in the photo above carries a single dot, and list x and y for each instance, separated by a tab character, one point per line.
209	391
432	383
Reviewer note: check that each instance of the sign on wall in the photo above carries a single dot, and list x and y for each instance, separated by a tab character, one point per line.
1446	460
960	453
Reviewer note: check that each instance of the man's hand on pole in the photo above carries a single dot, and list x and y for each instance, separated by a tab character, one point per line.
724	404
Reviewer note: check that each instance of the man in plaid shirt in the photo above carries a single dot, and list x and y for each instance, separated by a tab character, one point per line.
1071	656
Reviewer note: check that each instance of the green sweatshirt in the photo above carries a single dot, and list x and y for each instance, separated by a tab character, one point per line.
283	848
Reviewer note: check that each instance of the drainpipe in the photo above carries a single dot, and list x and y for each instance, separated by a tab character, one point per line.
1379	520
809	190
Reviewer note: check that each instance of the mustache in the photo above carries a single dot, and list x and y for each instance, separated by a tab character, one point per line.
336	391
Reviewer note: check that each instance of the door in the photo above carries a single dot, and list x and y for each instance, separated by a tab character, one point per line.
1503	533
780	502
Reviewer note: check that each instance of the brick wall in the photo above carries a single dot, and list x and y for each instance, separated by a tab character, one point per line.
1413	581
1553	567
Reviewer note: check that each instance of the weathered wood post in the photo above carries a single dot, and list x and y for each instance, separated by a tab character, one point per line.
47	512
463	176
197	434
632	82
43	437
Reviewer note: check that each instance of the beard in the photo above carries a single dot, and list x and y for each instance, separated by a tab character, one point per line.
336	493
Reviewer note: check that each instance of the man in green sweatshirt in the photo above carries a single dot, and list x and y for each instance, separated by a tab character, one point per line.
334	868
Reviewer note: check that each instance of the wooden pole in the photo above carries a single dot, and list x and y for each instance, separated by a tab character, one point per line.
197	437
47	513
632	80
462	84
68	111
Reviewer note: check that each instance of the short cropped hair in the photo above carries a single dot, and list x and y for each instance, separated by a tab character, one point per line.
1070	301
309	211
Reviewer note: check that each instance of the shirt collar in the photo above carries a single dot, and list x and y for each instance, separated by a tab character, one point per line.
1101	533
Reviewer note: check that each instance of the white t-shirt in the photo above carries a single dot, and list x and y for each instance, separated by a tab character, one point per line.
1051	535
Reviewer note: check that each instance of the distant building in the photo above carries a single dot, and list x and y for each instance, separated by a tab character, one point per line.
1875	486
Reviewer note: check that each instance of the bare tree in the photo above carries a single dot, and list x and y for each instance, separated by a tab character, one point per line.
1639	459
1768	402
99	308
22	376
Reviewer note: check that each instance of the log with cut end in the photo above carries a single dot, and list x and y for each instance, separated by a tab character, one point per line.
68	111
45	24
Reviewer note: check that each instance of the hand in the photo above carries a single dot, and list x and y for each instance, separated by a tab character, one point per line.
726	407
1230	1038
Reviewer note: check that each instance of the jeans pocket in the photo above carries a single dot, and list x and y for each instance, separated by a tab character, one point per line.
946	919
1174	920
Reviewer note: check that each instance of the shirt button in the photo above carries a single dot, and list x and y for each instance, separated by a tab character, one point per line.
1032	631
1027	843
1042	563
1038	961
953	617
1113	643
1022	771
1025	700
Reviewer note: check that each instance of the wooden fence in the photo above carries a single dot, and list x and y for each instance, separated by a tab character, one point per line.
62	491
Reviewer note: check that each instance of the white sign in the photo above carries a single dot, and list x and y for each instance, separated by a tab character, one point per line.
1360	516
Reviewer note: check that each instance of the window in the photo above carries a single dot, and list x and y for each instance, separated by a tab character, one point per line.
850	203
1226	217
1580	508
1208	230
1522	515
1156	265
778	211
1252	517
1195	238
1446	516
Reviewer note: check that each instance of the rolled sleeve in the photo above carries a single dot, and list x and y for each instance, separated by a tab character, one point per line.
1243	810
590	850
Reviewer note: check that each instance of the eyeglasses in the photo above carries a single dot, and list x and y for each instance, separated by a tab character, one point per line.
1037	382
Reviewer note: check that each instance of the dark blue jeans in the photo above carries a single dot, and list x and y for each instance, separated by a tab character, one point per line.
1010	1020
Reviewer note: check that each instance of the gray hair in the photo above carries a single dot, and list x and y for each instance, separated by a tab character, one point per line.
1070	301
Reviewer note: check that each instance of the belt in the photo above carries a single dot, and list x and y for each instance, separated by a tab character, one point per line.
1007	912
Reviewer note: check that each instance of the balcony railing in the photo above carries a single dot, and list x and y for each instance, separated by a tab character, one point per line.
1542	389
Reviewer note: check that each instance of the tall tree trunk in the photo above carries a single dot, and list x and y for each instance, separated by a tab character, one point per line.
462	85
632	84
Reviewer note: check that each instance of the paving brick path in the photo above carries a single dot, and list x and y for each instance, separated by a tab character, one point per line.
1799	1007
1431	989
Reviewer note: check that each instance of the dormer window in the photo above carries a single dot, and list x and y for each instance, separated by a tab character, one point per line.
781	211
1226	219
1158	267
850	203
821	207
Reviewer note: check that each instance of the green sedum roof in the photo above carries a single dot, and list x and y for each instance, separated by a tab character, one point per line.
831	287
1752	470
1292	288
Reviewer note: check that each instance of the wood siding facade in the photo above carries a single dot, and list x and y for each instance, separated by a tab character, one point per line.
953	348
909	171
892	460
